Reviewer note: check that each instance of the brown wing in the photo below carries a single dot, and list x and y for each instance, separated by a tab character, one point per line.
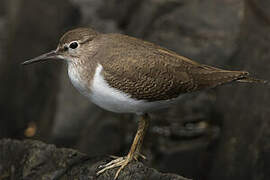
149	72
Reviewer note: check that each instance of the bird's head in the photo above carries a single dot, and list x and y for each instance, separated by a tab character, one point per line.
72	45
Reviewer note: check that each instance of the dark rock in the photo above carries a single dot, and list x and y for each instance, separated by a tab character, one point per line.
31	160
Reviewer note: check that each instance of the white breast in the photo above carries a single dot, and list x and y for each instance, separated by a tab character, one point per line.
114	100
76	80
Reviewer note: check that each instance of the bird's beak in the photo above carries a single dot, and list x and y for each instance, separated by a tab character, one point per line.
44	57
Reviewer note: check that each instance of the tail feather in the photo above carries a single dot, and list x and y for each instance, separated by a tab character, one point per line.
212	77
252	80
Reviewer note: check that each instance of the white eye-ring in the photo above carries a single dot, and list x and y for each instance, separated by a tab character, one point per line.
73	45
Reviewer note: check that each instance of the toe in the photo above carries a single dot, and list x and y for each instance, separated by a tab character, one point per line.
115	161
125	163
139	155
120	162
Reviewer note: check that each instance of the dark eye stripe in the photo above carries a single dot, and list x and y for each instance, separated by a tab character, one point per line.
65	48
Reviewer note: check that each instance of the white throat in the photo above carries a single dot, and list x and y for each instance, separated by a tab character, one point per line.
76	80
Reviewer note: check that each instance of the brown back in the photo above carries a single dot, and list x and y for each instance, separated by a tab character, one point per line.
150	72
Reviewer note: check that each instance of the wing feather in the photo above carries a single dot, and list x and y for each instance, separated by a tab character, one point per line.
150	72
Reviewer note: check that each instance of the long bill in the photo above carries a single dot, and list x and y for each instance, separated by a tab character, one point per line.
43	57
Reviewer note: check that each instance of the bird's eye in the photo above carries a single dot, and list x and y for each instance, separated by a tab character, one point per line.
73	45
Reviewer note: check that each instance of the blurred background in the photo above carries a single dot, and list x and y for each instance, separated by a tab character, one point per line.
222	133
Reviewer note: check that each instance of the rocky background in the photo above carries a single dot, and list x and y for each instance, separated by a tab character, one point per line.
221	134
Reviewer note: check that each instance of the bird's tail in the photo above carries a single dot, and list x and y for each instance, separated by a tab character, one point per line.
252	80
211	77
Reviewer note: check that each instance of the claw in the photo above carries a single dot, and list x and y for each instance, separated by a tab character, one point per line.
121	162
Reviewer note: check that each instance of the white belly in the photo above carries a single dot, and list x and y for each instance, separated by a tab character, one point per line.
114	100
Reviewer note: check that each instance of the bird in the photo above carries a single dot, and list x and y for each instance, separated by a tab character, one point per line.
124	74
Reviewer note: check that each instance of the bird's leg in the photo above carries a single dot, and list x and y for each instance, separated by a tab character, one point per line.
142	128
135	149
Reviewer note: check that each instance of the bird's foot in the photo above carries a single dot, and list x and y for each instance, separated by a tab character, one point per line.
120	162
134	152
